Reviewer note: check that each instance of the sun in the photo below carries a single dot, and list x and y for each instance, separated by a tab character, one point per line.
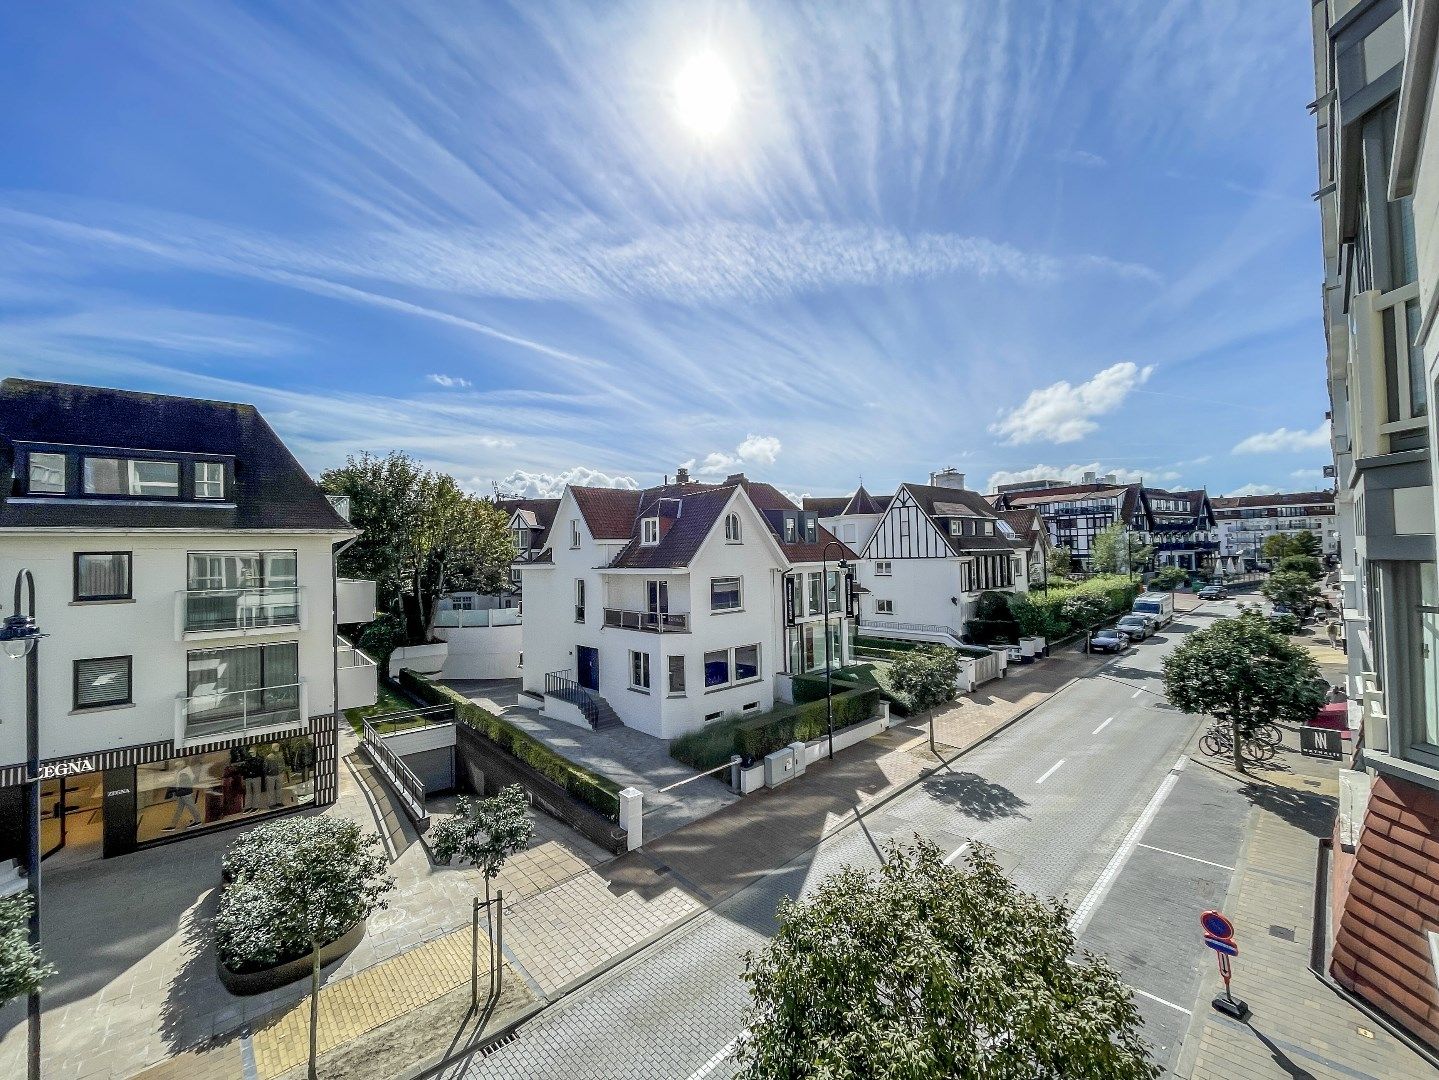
705	95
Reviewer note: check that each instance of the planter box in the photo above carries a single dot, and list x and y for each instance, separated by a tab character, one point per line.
258	982
1031	646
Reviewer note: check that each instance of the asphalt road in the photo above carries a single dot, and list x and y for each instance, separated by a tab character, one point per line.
1088	797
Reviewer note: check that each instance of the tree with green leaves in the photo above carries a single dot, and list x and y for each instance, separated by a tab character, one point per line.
1306	543
919	969
1244	674
1295	591
485	833
1302	564
295	886
1115	551
421	537
1169	578
1060	562
1278	546
23	966
927	678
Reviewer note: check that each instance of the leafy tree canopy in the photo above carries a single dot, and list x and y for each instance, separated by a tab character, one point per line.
1302	564
1295	591
1061	561
1241	671
421	536
485	832
926	676
1168	577
22	966
1306	543
1115	551
920	969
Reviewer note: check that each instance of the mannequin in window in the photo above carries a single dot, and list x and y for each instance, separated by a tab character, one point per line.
184	792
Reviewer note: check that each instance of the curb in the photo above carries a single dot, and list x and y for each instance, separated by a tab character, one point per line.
434	1065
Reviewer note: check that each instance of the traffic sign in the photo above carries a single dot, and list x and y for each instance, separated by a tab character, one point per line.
1216	925
1224	946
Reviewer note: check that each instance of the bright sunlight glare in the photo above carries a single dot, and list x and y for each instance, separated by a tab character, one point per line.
705	94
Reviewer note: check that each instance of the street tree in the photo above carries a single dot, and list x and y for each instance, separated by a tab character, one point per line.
1306	543
927	677
421	537
484	833
1060	561
919	969
1168	578
1294	590
295	886
1244	674
1114	550
23	966
1302	564
1278	546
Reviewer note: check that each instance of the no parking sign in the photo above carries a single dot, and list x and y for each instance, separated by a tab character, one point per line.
1219	936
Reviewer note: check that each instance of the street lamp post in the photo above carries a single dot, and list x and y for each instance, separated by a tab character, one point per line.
21	638
828	659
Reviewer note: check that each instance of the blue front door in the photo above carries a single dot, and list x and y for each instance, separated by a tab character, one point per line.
588	662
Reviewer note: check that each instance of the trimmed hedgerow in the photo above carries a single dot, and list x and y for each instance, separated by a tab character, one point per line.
591	788
1068	608
753	736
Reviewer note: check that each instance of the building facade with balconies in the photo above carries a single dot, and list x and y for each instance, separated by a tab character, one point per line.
191	672
1378	195
670	608
1247	521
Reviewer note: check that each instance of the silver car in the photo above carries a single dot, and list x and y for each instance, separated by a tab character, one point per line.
1136	626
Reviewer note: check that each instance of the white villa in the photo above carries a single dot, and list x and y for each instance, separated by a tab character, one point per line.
670	608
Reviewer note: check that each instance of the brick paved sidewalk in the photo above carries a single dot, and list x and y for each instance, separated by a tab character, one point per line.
1299	1026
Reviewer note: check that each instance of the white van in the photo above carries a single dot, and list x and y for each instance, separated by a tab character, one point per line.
1157	605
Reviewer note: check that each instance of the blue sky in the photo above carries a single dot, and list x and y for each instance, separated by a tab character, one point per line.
996	236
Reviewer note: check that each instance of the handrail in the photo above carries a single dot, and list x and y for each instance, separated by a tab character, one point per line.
657	622
401	777
558	684
223	609
924	628
266	713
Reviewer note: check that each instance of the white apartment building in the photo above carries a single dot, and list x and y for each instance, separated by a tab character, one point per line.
926	553
1246	521
670	608
184	573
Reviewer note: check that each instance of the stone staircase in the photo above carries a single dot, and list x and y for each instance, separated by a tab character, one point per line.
596	709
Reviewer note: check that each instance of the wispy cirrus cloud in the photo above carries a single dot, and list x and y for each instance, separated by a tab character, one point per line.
449	382
1065	412
1283	440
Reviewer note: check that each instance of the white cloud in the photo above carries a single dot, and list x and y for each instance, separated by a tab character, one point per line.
1074	474
449	382
1252	489
1308	474
532	485
1082	157
1064	413
1283	440
755	450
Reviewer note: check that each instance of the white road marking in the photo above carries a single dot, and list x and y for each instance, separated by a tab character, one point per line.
1191	858
1050	771
1136	693
1101	727
1151	997
956	853
716	1059
1126	848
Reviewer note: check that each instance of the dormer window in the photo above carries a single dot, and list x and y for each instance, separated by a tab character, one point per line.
811	527
954	526
47	474
791	529
650	530
131	476
209	480
731	529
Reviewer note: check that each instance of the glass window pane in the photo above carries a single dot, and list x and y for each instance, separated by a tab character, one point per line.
717	667
47	474
103	476
102	575
209	480
725	594
155	478
677	674
1417	386
103	681
746	662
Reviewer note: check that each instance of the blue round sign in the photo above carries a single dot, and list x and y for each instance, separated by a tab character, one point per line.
1216	925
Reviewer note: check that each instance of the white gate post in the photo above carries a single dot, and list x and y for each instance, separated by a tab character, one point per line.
632	816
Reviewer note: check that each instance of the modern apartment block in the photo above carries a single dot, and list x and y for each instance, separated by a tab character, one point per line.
669	608
1246	521
1378	195
926	554
1180	525
184	569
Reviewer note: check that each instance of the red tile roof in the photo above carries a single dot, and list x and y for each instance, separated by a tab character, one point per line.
1381	948
608	512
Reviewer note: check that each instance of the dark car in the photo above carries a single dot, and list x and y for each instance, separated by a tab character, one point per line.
1214	592
1114	641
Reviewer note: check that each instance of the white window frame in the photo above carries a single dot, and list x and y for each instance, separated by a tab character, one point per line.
883	607
203	480
574	533
45	460
639	671
733	534
883	568
650	531
739	588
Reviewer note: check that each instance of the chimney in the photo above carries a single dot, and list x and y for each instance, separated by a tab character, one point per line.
1111	478
1089	478
947	478
682	475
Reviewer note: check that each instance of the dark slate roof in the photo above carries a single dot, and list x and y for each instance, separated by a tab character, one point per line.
862	502
1288	498
943	503
679	543
541	513
826	506
271	490
1129	496
1025	524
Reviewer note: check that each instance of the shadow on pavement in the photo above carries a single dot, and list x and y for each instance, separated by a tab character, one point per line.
1313	813
1281	1059
974	796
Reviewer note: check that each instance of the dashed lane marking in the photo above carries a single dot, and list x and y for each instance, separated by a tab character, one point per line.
956	853
1102	726
1170	1004
1050	771
716	1059
1191	858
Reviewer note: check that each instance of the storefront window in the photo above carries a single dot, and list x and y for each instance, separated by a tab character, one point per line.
196	792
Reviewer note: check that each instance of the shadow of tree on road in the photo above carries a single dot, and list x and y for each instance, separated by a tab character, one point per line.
1310	811
974	796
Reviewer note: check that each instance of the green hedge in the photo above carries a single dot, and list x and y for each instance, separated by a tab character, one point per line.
1047	616
809	688
599	792
754	736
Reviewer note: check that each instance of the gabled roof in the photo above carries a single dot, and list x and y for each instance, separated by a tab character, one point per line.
699	510
1024	523
1288	498
609	513
862	502
270	490
943	503
537	515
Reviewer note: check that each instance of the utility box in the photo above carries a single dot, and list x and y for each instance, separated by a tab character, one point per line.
778	767
801	757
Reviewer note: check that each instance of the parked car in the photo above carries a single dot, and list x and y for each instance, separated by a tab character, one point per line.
1111	640
1214	592
1137	627
1159	605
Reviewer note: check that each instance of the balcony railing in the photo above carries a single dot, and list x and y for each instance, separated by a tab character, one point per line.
457	617
655	622
225	714
203	610
358	676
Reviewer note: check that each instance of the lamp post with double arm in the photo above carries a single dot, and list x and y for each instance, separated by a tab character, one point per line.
21	639
828	659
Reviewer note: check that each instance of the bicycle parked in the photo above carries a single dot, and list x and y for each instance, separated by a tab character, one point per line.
1218	741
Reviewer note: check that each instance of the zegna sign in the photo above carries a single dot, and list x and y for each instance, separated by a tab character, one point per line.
53	770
